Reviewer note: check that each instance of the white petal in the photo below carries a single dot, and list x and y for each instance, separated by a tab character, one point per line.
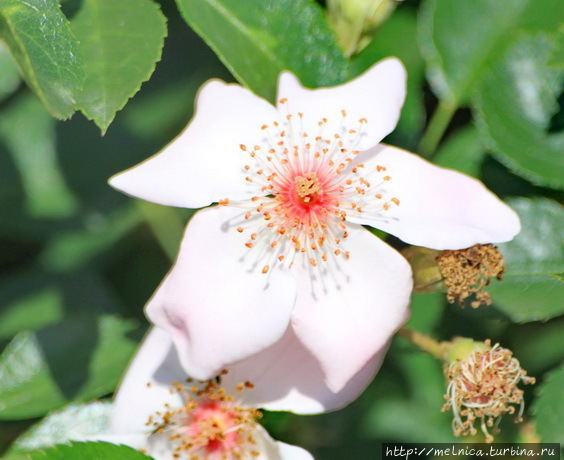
377	95
287	377
354	321
439	208
274	450
146	386
217	308
204	164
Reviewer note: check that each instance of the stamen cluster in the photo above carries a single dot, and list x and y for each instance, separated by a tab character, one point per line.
469	271
304	190
483	387
210	424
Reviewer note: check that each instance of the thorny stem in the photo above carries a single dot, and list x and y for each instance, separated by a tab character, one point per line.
436	128
426	343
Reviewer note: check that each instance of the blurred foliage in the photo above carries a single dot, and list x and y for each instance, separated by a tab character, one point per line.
78	260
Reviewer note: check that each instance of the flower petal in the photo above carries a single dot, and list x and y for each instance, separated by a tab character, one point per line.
345	327
216	306
274	450
287	377
438	208
146	386
204	164
377	95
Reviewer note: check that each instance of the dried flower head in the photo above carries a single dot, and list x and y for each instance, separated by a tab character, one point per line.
468	271
482	386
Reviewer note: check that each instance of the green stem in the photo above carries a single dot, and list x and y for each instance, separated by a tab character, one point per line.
424	342
436	128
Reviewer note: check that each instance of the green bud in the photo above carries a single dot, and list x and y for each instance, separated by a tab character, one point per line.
427	276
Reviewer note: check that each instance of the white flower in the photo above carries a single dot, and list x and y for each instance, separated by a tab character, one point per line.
162	412
286	250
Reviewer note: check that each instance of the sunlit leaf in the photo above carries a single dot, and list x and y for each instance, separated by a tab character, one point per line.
28	132
88	451
47	53
121	41
459	38
548	408
515	102
74	422
257	39
528	292
79	359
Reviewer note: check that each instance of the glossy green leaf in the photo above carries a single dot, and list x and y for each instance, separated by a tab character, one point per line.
515	103
528	292
548	408
9	75
74	422
88	451
47	53
79	359
463	151
459	38
121	41
257	39
29	134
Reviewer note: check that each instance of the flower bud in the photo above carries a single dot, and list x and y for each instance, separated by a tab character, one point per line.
354	21
427	276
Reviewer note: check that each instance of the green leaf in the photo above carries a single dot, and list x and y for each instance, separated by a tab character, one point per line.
88	451
515	103
528	292
463	151
548	408
74	422
79	359
29	134
9	75
40	39
257	39
459	38
121	41
559	276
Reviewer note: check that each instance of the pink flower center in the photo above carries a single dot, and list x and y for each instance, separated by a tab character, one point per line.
304	191
209	425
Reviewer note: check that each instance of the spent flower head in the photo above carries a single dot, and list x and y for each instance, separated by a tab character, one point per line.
482	386
468	271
